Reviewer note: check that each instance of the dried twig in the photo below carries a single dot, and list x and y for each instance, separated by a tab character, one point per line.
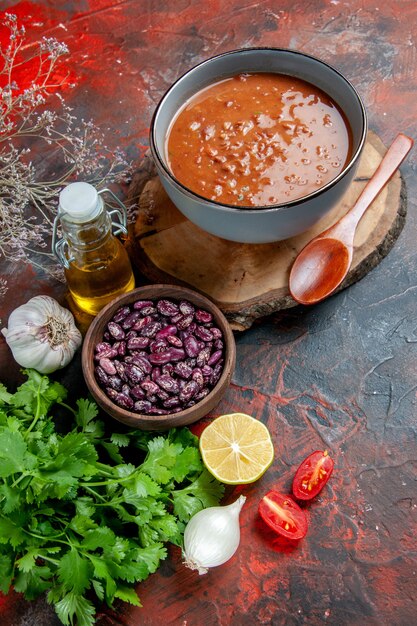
76	147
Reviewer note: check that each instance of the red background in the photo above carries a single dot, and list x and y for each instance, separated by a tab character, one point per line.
341	375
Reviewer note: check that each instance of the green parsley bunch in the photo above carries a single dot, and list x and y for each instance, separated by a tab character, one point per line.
82	513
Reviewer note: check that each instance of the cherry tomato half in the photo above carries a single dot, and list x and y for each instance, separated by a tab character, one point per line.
312	475
283	515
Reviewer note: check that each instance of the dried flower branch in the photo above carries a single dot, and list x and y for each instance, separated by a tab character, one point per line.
64	147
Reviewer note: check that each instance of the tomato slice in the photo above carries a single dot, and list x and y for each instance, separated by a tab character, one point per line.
312	475
283	515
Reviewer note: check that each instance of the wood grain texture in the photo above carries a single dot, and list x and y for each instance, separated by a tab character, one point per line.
248	281
157	422
325	261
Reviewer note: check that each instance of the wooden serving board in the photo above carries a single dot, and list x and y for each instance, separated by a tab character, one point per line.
248	281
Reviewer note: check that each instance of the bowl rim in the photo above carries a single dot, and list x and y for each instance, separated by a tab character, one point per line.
273	207
128	417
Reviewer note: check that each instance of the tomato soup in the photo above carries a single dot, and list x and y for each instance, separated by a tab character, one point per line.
258	140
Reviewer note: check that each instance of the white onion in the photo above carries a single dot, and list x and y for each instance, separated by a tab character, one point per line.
212	536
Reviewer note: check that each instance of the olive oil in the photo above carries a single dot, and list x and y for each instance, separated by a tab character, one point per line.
96	265
94	283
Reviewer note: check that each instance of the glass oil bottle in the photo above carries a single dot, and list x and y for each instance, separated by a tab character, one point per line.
96	265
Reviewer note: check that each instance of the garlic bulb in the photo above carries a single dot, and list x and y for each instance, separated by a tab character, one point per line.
212	536
42	335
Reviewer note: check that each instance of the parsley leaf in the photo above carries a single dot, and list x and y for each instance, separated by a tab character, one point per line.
73	604
203	492
6	572
11	532
83	512
120	440
86	412
38	393
14	455
161	459
128	595
33	582
74	571
5	396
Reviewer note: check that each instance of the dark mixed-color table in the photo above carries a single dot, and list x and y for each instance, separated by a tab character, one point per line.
341	375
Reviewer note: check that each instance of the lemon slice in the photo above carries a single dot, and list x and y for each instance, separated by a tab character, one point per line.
236	448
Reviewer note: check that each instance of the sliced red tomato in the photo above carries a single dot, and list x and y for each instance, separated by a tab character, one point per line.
312	475
283	515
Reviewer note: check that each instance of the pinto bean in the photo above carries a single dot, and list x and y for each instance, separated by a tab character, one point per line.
186	307
201	394
171	403
121	313
216	356
168	384
143	363
167	331
116	330
166	307
120	369
203	333
191	346
175	341
149	387
216	332
172	354
156	411
184	322
158	345
143	406
151	329
189	391
141	304
134	373
138	343
137	392
183	370
159	357
124	401
142	322
107	366
115	382
155	374
130	319
101	375
168	368
203	356
197	375
110	353
204	317
122	348
103	346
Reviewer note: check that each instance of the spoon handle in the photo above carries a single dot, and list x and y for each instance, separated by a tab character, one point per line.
393	158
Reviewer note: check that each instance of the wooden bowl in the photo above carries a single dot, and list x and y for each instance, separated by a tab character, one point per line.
157	422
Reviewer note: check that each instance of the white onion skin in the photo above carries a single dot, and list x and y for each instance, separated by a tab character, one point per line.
212	536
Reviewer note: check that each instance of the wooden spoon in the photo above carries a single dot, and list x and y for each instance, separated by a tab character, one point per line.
324	262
